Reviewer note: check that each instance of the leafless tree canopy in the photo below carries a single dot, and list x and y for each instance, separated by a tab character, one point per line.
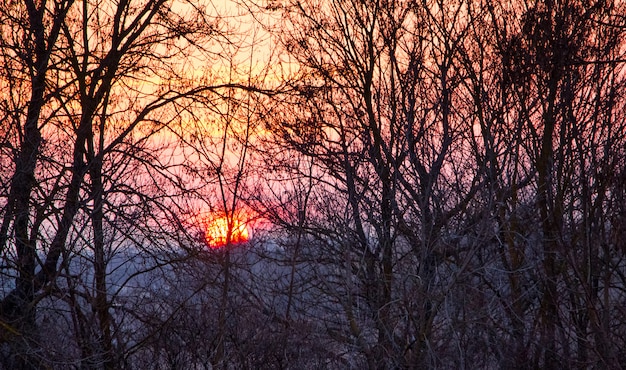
427	184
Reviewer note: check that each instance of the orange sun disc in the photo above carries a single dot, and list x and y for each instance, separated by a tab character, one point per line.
219	234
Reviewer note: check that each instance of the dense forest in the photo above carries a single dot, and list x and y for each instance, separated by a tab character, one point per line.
398	184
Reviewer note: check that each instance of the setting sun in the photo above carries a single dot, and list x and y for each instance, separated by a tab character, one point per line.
219	234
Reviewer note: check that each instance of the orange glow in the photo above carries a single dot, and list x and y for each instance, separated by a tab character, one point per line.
219	234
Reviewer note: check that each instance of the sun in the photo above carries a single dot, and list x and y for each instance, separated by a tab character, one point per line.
220	233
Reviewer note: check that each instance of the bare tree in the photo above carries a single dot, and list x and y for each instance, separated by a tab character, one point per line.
107	78
446	142
553	62
376	118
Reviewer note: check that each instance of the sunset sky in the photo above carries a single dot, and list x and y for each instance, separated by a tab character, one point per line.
294	184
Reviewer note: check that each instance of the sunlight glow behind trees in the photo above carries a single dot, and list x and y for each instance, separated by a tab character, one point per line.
223	232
